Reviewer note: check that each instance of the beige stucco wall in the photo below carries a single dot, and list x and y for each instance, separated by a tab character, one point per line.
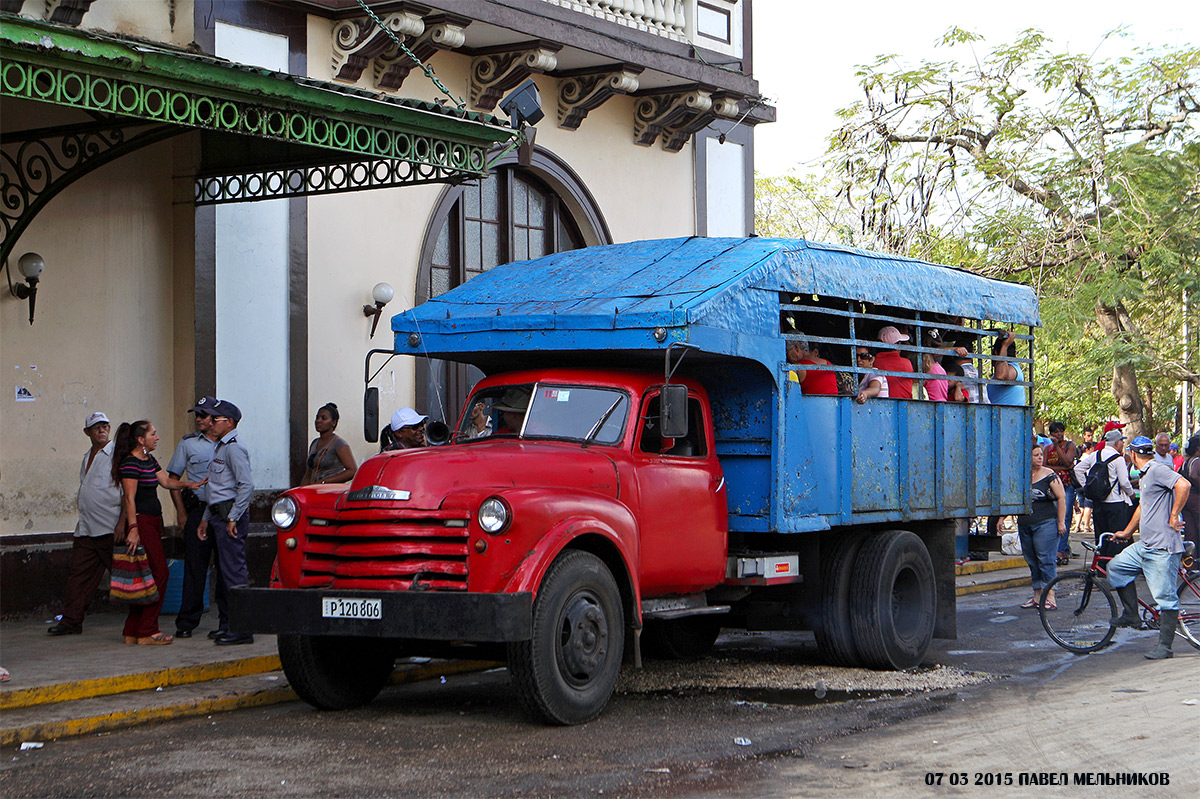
358	240
103	335
156	20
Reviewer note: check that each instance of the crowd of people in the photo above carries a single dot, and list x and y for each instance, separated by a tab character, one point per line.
950	376
1147	486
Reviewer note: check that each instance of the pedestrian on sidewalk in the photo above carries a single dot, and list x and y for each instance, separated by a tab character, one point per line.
1040	530
330	459
227	517
1158	554
140	476
101	516
1111	514
1190	468
1061	456
191	457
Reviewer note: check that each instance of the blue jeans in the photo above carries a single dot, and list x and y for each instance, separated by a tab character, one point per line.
1064	540
1039	543
1161	569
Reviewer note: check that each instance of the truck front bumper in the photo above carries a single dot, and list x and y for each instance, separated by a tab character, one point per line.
425	615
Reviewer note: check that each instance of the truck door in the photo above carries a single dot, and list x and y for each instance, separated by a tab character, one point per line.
683	513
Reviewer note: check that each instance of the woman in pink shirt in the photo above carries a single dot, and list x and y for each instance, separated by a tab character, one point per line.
935	390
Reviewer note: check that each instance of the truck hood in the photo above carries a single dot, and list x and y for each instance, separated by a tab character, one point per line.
431	474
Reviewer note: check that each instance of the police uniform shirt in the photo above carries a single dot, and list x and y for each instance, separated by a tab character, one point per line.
192	456
229	477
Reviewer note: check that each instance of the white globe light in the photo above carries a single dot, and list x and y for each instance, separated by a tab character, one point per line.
382	293
31	265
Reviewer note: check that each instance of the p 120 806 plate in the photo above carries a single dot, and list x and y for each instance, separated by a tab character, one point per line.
336	607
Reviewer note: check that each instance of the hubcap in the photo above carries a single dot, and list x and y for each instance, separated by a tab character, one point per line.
583	639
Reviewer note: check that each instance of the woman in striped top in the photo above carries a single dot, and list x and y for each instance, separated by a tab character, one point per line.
140	476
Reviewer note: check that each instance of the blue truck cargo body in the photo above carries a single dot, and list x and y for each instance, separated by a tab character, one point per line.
793	463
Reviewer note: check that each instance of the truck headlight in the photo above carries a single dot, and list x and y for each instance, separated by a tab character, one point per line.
494	515
284	513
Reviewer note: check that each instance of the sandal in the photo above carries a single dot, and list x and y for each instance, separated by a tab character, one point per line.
4	675
1064	560
131	639
1050	606
1029	605
158	639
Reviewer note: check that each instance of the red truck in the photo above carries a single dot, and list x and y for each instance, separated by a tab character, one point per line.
613	497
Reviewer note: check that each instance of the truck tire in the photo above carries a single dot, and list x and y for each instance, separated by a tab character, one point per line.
893	600
567	672
334	672
835	630
681	639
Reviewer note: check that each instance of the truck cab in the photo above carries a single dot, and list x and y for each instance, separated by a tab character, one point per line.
638	466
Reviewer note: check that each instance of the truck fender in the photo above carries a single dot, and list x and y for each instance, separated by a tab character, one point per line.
602	519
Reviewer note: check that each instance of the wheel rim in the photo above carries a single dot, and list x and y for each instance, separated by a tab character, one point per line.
907	604
583	639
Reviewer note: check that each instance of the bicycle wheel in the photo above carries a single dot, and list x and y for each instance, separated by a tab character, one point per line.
1084	620
1189	628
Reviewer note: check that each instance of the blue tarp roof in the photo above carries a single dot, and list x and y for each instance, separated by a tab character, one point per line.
727	286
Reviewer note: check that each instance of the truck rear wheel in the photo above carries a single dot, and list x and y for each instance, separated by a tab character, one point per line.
567	672
835	630
334	672
893	600
681	639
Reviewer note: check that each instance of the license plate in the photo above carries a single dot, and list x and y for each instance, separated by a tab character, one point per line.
344	608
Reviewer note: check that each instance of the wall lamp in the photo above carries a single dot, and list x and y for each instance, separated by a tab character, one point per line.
382	294
31	267
524	108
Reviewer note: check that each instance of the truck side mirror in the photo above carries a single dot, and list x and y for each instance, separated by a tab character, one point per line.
371	414
674	411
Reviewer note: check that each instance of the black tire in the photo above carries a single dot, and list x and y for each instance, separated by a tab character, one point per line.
1085	618
334	672
567	672
834	629
681	639
893	600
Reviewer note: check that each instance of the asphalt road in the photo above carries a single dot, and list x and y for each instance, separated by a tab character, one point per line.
746	722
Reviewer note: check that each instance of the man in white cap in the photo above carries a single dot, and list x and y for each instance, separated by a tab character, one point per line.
101	514
408	429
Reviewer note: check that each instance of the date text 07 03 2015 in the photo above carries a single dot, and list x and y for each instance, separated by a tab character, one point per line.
1046	778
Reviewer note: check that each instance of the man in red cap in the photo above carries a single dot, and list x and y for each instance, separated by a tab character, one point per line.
1111	513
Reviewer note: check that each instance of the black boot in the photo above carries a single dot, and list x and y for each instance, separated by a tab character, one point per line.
1167	620
1129	616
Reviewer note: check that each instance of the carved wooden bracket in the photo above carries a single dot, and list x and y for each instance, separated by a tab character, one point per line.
64	12
442	32
671	115
494	73
357	41
582	93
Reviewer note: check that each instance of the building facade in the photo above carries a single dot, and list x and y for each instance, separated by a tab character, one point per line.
200	239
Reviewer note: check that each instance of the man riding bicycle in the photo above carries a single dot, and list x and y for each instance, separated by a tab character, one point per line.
1158	554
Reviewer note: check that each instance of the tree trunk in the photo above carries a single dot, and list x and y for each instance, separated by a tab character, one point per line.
1130	408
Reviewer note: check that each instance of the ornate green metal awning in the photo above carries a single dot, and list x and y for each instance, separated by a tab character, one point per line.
267	134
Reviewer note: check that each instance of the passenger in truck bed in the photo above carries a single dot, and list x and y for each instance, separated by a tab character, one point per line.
813	381
893	361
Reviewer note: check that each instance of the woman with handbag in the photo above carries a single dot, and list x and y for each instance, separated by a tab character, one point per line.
329	457
140	476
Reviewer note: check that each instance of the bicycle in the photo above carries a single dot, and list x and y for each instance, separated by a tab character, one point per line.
1086	618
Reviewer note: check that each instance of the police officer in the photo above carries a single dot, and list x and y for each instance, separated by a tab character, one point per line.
192	456
227	517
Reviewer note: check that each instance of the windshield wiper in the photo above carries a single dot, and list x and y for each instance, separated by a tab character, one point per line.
600	422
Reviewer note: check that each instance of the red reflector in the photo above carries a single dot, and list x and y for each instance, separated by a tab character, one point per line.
783	568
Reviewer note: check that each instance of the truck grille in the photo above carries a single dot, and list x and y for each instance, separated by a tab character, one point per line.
386	555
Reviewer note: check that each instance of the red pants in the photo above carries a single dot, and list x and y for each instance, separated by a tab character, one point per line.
143	619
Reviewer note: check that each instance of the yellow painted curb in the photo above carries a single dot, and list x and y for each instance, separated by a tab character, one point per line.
48	731
980	566
105	686
979	588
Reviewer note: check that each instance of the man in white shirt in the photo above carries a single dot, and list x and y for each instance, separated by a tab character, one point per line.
101	514
1162	451
1113	513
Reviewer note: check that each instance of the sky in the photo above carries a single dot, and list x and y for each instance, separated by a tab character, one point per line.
805	53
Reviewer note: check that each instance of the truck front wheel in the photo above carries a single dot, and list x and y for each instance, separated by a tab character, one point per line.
567	672
335	672
893	600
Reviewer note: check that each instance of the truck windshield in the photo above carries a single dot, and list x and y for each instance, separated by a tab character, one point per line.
547	411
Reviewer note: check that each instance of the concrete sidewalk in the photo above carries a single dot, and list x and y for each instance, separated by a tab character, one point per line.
93	682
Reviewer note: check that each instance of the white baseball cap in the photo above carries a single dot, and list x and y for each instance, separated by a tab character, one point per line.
890	335
406	417
94	418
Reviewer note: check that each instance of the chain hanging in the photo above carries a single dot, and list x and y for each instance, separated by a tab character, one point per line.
428	70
